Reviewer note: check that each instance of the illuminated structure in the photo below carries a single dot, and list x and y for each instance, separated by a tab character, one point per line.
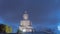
25	24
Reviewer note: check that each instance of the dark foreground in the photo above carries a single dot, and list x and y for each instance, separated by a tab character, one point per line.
31	33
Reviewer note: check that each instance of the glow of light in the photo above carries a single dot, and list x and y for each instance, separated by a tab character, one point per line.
59	28
24	30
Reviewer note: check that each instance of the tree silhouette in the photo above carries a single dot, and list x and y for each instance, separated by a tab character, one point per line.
2	28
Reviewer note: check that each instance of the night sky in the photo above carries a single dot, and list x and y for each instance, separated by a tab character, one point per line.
43	13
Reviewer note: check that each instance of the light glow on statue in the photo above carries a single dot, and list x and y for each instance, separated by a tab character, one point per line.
24	30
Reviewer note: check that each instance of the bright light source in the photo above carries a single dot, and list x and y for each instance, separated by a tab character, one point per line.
59	28
24	30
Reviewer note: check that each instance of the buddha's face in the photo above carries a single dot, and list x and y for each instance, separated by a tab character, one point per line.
25	16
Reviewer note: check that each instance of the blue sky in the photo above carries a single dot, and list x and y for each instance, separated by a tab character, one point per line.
42	12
